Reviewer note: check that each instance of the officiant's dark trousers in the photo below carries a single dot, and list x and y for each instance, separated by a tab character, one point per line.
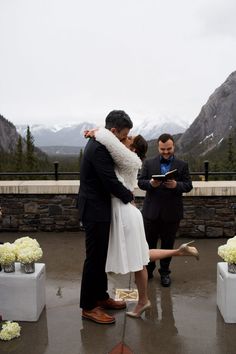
94	278
166	232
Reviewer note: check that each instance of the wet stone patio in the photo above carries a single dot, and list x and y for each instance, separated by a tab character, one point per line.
183	319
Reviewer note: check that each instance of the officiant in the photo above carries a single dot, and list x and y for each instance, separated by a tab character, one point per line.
163	205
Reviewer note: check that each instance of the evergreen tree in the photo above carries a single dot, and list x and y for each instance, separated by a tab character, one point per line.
19	158
231	163
80	158
230	149
30	158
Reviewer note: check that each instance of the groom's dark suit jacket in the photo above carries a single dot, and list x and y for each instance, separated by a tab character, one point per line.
97	182
162	202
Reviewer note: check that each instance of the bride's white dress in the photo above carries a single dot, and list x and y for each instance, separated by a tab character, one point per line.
128	249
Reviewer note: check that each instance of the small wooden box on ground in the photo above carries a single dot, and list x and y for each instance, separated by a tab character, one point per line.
226	293
22	296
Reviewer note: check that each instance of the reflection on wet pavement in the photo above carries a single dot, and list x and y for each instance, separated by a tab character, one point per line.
183	318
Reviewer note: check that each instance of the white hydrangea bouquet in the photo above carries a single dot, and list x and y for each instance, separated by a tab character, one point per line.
228	253
10	330
7	253
28	250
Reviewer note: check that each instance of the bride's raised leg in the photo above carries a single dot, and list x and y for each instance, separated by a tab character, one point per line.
183	250
186	250
155	254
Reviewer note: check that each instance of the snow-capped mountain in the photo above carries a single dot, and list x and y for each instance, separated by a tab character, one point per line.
215	124
72	135
151	130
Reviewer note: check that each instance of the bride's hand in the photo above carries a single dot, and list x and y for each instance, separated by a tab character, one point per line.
90	133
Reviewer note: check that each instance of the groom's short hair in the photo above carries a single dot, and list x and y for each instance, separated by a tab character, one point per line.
118	119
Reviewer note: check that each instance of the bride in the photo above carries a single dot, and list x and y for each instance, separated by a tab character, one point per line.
128	249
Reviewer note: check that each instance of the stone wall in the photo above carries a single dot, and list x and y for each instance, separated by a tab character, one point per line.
206	217
209	217
39	205
33	212
209	209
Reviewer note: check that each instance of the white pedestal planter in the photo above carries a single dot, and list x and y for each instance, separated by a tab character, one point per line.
226	293
22	296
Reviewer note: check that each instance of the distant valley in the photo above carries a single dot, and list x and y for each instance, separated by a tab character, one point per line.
69	140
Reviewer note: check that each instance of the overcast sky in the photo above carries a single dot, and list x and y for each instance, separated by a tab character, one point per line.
66	61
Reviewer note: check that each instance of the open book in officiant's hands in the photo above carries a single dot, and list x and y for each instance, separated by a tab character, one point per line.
169	175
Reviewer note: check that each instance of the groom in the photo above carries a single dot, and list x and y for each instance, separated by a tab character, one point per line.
97	182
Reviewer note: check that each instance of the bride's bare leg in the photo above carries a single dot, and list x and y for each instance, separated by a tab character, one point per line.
156	254
141	280
183	250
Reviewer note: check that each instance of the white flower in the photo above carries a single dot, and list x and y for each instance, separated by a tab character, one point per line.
23	241
7	253
232	241
28	250
10	330
29	254
228	251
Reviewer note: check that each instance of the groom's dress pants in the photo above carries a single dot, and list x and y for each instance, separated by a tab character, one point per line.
94	278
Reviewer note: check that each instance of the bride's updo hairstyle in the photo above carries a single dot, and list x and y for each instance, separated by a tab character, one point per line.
140	146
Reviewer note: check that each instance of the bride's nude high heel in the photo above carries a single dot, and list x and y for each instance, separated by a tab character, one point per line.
189	251
139	313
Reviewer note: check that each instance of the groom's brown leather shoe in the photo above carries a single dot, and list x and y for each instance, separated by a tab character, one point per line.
98	315
111	304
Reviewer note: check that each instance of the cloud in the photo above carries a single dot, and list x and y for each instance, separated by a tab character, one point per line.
218	18
80	59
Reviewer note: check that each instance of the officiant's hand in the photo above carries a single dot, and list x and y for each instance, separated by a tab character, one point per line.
170	183
154	183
